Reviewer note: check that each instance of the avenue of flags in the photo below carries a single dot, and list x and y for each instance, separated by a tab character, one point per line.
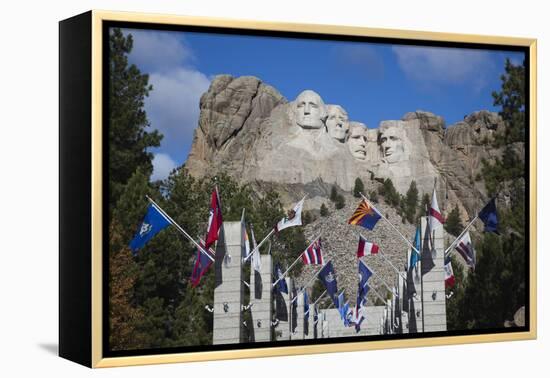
366	215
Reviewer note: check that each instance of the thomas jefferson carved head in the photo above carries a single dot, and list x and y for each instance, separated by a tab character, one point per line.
393	141
337	122
357	140
310	110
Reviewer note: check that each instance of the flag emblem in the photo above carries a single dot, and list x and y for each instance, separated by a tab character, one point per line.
365	215
153	222
145	228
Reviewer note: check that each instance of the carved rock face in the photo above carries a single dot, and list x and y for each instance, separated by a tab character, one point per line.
310	110
357	140
337	122
392	144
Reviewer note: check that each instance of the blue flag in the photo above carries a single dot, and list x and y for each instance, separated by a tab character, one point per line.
327	276
364	274
415	256
153	222
281	286
489	216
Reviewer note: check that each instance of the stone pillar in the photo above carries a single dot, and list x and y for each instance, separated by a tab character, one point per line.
433	280
282	329
310	319
298	333
228	293
261	300
403	315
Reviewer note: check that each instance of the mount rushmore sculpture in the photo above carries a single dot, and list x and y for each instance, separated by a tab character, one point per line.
248	130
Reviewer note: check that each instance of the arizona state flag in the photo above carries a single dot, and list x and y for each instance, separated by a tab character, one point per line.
215	220
365	215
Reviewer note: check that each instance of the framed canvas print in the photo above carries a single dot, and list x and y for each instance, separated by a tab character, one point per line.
234	189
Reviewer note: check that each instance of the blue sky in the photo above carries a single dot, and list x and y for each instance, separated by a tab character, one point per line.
373	82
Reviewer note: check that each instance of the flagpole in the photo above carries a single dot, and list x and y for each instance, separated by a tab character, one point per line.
179	227
447	251
308	283
377	275
267	237
295	261
319	298
386	219
375	292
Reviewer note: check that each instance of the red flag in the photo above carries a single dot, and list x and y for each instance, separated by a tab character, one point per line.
366	248
449	275
215	219
202	263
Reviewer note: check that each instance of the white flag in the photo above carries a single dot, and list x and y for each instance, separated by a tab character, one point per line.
293	218
256	260
435	218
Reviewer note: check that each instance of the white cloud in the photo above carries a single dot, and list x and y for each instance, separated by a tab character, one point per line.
162	166
155	51
173	106
443	66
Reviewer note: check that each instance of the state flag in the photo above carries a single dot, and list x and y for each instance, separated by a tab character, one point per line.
366	248
449	275
489	216
281	285
202	263
435	219
328	278
365	215
153	222
215	219
466	250
293	218
313	255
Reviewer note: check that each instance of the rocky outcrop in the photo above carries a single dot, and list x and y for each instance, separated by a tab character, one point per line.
248	130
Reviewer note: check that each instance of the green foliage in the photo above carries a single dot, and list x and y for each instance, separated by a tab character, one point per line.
373	196
511	99
324	210
333	193
388	191
453	224
128	138
358	188
411	203
340	201
496	290
510	167
425	204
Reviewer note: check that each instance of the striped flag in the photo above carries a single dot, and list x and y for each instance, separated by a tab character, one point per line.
366	248
365	215
313	255
466	250
449	274
435	219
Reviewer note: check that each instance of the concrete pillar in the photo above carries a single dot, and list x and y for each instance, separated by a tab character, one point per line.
433	279
298	333
261	300
310	333
228	293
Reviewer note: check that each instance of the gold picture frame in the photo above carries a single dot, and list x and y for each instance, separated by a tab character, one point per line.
86	273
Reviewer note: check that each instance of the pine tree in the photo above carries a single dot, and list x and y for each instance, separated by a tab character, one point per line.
128	139
333	193
411	202
340	201
358	188
324	210
453	224
511	98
